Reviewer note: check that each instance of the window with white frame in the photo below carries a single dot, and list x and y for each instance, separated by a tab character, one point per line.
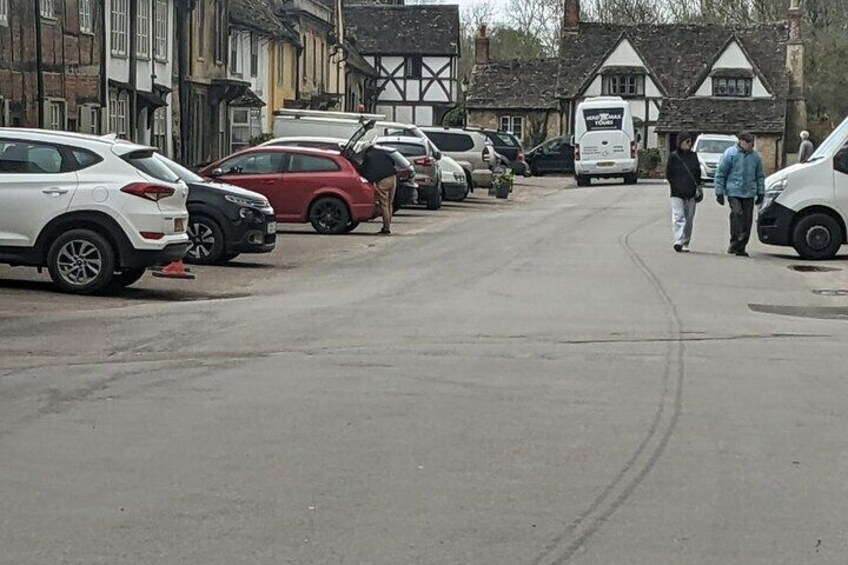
4	12
514	125
738	87
86	21
142	48
118	115
235	39
624	85
48	9
120	27
245	124
160	31
56	114
93	119
254	55
160	128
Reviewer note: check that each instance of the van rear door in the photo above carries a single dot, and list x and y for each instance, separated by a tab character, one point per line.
605	136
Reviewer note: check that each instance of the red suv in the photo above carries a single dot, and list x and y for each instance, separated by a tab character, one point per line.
303	185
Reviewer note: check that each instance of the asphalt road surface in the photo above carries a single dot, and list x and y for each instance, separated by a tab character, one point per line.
543	383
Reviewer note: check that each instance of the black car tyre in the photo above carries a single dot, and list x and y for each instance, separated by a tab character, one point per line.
351	226
329	215
126	278
81	261
206	240
817	236
534	171
226	258
631	179
583	180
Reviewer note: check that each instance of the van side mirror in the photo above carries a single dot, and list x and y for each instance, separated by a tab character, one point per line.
571	140
438	155
840	160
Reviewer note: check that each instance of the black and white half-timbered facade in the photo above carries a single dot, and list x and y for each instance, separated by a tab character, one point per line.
415	50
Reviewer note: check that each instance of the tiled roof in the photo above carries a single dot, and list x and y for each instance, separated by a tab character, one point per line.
356	61
727	115
678	58
258	15
404	30
516	84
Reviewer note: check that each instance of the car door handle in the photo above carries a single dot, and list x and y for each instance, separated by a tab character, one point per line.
55	190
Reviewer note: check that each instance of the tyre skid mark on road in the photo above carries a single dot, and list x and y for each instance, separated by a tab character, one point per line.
627	480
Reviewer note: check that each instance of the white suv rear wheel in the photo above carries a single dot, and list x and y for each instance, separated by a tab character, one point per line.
81	261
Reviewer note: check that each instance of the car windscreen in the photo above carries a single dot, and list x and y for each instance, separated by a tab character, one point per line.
145	161
184	174
505	140
407	149
451	142
833	142
717	146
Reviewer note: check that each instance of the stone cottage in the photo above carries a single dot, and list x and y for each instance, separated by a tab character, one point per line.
698	78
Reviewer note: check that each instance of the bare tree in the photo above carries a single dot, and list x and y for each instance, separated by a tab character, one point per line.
540	18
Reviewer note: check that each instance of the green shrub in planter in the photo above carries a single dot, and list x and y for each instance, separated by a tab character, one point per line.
650	162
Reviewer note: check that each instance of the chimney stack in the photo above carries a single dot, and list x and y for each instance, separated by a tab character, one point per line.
481	47
572	15
794	21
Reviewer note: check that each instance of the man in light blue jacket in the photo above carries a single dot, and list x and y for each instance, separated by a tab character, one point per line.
740	177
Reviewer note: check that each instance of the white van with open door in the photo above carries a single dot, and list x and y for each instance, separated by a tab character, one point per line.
605	143
806	205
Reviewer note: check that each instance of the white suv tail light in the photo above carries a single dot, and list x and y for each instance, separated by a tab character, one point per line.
149	191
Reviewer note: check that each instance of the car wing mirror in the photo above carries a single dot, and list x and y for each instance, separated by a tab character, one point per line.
217	172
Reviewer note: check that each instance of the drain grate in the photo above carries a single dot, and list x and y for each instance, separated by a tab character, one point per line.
832	292
813	269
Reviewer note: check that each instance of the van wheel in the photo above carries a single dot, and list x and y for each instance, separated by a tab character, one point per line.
329	215
817	236
631	179
81	262
583	180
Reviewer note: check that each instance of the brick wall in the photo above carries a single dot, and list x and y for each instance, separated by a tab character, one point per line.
70	60
769	146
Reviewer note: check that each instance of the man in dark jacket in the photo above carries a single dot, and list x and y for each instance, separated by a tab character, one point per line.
683	173
378	168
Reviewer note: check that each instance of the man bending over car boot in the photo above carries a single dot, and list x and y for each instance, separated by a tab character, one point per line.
379	169
740	177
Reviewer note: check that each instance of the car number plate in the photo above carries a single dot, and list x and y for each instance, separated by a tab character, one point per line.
179	225
606	164
272	227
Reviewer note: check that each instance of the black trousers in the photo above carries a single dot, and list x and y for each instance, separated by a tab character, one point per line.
741	219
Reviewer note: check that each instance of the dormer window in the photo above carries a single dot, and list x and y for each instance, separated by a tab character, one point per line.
735	87
624	85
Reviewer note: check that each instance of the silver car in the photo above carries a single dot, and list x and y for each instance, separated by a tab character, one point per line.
425	158
471	149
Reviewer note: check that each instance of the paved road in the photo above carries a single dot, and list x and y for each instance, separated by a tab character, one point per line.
545	383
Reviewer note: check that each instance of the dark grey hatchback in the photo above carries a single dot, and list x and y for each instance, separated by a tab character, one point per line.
224	220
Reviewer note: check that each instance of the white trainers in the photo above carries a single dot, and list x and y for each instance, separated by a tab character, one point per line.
685	249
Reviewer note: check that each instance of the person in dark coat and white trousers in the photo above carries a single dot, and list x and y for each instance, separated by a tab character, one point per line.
683	173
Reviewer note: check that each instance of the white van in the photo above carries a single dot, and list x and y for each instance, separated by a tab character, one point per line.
605	144
320	123
806	205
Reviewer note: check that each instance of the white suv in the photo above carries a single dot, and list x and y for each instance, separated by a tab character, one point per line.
96	211
471	149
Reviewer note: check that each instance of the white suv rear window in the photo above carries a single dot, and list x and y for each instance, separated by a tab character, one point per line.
145	162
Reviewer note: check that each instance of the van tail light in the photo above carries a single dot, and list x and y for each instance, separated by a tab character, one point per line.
520	155
425	162
576	152
154	192
632	149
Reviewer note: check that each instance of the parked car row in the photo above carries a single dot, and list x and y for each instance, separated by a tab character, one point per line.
97	212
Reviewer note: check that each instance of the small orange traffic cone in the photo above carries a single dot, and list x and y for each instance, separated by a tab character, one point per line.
175	270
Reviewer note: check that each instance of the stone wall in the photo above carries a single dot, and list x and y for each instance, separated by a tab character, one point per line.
549	122
769	146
